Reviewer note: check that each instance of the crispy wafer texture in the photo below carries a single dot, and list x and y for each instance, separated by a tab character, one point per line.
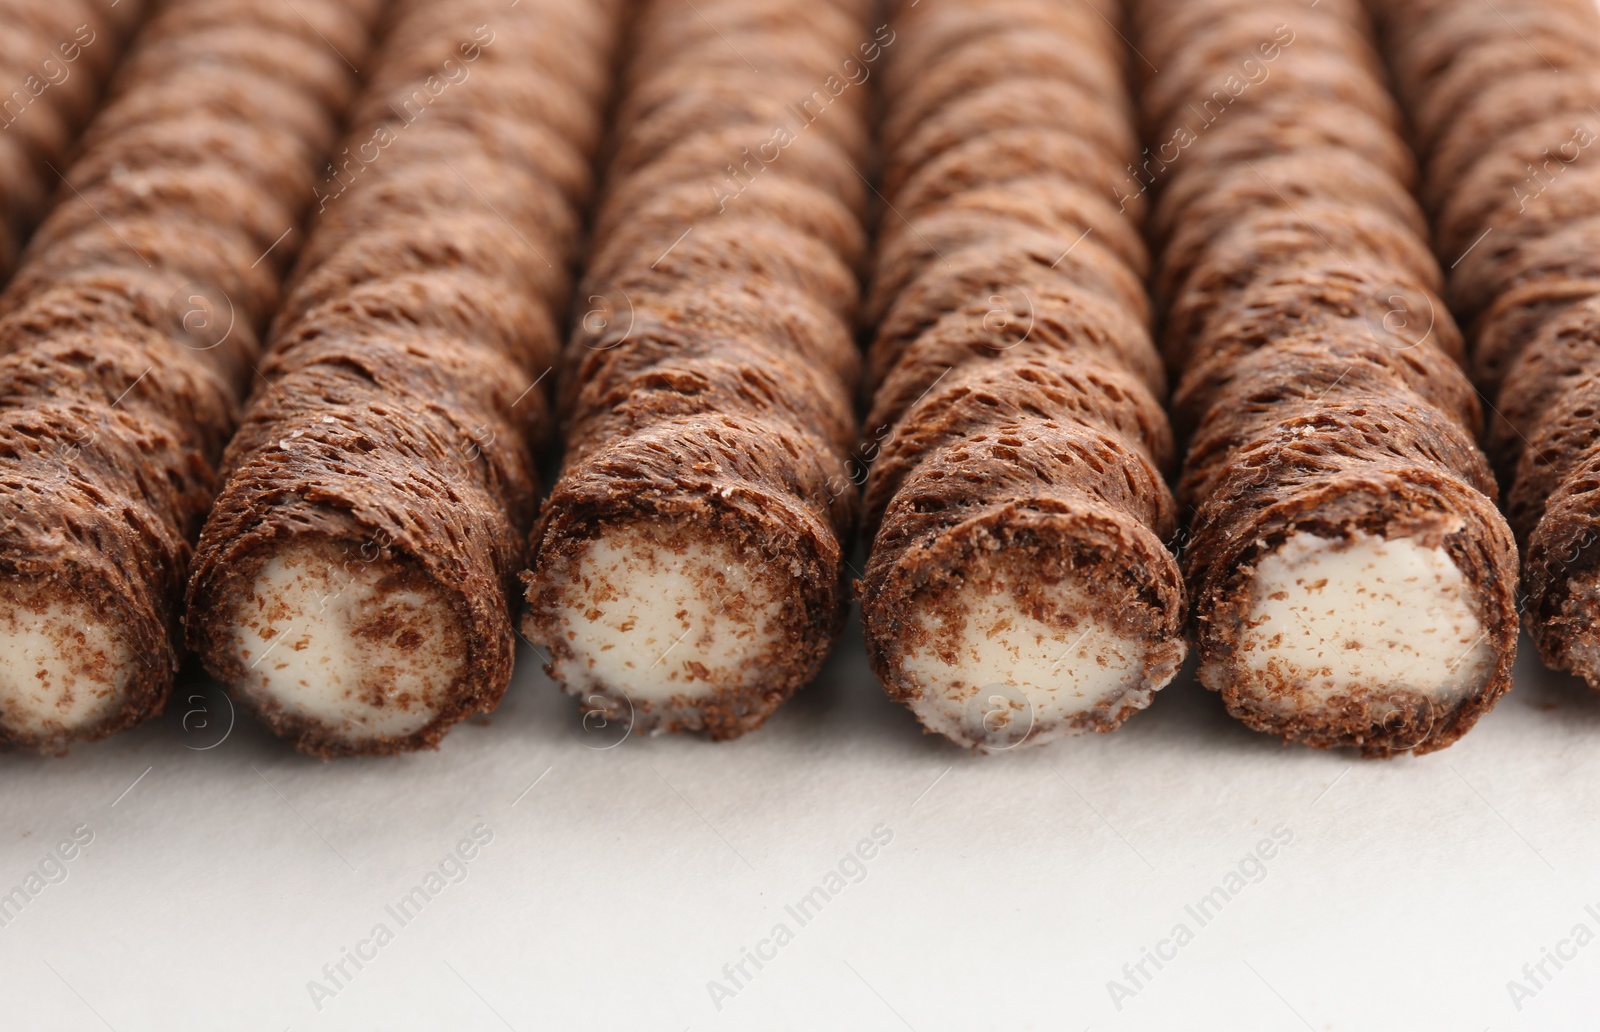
354	584
55	59
1019	588
1506	103
688	567
1351	578
128	334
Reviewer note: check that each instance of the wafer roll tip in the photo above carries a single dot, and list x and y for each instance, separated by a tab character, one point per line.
1369	621
692	610
1026	627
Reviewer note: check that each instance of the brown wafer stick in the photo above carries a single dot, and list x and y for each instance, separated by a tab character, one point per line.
688	569
1352	580
354	583
127	339
1018	589
1513	178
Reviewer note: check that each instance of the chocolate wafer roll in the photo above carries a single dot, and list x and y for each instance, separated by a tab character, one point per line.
1505	102
354	584
55	58
1019	588
127	338
1352	581
688	567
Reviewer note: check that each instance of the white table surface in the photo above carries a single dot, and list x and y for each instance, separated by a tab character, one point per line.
619	881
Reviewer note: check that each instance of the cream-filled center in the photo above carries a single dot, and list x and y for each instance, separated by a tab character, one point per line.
995	675
1334	616
62	668
659	613
337	639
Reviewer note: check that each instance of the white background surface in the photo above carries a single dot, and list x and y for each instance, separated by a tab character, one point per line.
620	883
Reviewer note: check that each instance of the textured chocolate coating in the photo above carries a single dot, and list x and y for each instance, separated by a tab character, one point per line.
936	246
1013	273
1047	202
1564	354
924	36
55	59
1315	361
1014	104
1530	96
715	161
734	248
780	312
1227	263
1323	75
1278	122
1002	155
1316	291
1207	199
1556	445
1559	573
1496	187
1024	385
792	202
1013	51
1065	318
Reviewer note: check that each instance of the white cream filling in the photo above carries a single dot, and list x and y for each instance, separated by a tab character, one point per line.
1005	677
1331	617
661	615
330	637
62	668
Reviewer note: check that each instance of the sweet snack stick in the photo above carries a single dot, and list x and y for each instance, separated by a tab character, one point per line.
126	339
1019	588
1352	581
1507	103
689	567
354	584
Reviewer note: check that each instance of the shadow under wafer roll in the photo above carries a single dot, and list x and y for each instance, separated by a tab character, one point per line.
689	565
1506	102
1019	588
355	584
127	337
1352	581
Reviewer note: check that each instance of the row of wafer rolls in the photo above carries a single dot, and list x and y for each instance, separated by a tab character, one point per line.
1506	103
1352	580
55	58
128	336
689	565
354	585
1019	587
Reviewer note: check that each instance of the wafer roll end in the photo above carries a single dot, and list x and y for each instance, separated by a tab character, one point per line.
1389	635
1561	575
86	647
681	607
338	637
351	653
67	672
1564	629
1024	627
